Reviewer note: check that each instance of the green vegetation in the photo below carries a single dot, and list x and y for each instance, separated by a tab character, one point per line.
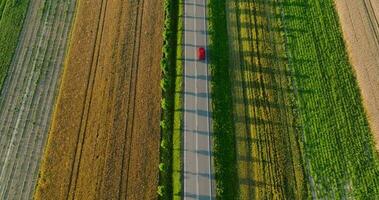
178	115
2	6
307	133
171	101
12	14
269	157
222	112
338	148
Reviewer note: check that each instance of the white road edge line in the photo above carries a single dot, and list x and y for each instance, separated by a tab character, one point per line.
184	102
197	101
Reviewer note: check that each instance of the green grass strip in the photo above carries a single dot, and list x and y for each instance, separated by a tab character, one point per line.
12	20
225	164
178	115
339	153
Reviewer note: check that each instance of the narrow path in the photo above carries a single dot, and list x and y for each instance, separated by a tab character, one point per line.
197	157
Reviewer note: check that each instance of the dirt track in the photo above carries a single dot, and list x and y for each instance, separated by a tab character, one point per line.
360	25
104	139
28	95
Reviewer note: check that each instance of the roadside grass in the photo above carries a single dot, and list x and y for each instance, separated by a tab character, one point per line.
339	155
11	21
178	111
222	112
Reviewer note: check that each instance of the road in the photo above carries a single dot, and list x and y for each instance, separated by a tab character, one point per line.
197	158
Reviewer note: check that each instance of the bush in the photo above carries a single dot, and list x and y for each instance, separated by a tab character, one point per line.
168	94
161	190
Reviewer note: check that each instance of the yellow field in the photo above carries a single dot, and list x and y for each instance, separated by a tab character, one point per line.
104	139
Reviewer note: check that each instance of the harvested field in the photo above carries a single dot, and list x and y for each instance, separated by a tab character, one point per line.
104	138
360	25
268	149
29	93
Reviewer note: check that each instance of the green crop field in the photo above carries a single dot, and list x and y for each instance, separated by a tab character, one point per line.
12	14
339	154
300	128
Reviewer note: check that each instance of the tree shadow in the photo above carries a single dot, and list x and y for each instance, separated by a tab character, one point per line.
264	82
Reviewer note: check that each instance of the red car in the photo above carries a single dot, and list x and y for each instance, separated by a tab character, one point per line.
201	53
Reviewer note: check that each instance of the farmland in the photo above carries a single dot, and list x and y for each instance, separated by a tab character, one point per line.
359	21
301	130
338	147
12	14
109	99
268	150
104	139
28	94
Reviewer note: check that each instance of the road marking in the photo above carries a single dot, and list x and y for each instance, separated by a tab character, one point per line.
184	99
196	108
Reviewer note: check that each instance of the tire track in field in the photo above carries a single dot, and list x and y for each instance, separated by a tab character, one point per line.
123	194
374	23
136	53
29	132
101	162
87	102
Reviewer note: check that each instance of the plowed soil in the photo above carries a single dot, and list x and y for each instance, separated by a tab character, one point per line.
104	139
360	25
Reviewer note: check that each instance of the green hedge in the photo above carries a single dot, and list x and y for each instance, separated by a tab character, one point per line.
223	126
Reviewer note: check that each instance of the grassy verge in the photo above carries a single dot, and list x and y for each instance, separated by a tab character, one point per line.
171	83
11	22
223	127
178	115
340	159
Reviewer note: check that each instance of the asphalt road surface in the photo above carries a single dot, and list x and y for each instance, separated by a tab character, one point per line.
197	158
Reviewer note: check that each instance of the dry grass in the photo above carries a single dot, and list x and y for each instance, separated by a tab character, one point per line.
104	138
